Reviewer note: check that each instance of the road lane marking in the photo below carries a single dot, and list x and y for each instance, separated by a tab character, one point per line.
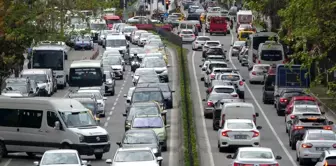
8	162
262	111
205	132
111	113
106	123
112	108
108	118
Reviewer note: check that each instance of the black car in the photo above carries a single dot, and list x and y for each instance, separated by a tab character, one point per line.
210	102
214	51
147	108
217	111
141	138
141	94
281	101
166	91
301	123
268	89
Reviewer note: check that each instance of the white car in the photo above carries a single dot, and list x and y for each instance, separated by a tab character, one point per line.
100	99
313	143
142	72
64	157
328	156
237	80
143	38
258	72
211	43
254	156
135	36
199	42
300	110
215	72
134	156
127	31
187	35
228	89
238	132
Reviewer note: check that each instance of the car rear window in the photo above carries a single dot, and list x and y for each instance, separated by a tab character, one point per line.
321	136
230	77
203	39
331	161
306	109
224	90
219	65
291	94
271	55
304	102
186	32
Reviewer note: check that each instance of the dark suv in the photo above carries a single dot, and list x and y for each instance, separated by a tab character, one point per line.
268	89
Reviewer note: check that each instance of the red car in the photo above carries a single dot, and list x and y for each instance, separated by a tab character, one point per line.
301	100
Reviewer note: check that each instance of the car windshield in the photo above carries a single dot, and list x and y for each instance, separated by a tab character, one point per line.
59	158
116	43
307	109
139	138
203	39
147	96
217	65
133	156
149	79
130	29
224	90
304	102
230	77
148	122
17	87
154	62
239	125
78	119
321	136
256	155
216	96
39	78
143	110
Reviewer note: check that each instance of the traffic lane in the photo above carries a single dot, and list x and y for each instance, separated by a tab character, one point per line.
267	136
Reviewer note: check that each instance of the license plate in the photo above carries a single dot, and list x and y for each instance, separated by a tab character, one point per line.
98	151
240	136
321	148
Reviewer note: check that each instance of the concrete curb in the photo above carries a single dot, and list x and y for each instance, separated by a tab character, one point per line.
328	111
95	54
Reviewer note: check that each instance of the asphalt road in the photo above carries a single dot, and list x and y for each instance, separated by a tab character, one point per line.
114	120
273	133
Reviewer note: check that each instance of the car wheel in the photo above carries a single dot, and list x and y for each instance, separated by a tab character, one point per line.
293	146
113	91
31	155
242	96
121	77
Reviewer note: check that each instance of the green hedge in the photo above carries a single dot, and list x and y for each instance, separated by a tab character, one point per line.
184	112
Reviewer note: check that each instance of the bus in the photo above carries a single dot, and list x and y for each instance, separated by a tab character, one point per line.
86	73
51	55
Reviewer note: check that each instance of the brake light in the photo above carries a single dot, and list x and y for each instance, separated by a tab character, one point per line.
254	73
334	146
212	76
283	100
307	145
259	62
181	35
327	128
234	95
210	104
292	116
255	133
298	127
225	133
241	83
193	35
210	90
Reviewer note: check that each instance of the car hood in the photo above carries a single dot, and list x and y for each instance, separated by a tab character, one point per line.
89	131
116	67
137	163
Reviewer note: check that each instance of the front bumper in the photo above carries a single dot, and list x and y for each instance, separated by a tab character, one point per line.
77	47
89	149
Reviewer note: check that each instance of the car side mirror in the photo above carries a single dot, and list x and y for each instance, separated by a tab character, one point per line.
278	157
257	114
124	114
259	127
108	161
203	69
36	163
167	126
322	113
164	112
128	101
200	65
178	33
119	144
203	60
243	80
57	125
231	45
229	156
249	68
203	99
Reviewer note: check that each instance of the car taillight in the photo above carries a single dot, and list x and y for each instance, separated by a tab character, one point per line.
298	127
210	104
212	76
292	116
255	133
334	146
234	95
193	35
181	35
308	145
254	73
259	61
241	83
225	133
327	128
283	100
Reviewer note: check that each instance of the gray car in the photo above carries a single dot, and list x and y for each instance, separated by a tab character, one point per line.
110	83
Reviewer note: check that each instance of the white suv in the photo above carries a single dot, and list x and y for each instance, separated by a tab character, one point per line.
237	80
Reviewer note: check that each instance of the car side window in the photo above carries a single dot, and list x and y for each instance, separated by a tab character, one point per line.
51	118
30	118
9	117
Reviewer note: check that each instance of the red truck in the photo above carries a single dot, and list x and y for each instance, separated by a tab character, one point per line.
218	24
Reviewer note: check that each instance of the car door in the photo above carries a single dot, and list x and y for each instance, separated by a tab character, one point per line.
55	136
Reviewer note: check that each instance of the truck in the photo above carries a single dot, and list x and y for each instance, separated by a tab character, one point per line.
291	77
218	25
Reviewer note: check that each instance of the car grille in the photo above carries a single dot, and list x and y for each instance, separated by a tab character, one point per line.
96	138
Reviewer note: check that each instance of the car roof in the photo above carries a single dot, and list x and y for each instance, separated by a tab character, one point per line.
224	86
34	71
146	89
255	149
61	151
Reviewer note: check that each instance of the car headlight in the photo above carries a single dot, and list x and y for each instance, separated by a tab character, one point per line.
155	150
80	137
109	81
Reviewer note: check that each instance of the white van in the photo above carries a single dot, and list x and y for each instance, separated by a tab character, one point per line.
237	110
117	42
35	125
43	77
271	52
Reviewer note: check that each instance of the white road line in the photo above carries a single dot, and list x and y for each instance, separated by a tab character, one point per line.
115	103
112	108
108	118
205	132
105	124
263	113
111	113
8	162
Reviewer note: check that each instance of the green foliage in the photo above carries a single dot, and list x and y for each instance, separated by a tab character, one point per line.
186	87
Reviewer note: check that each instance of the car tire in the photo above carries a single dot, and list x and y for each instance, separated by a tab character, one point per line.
242	95
293	144
302	161
286	129
121	77
30	154
113	91
3	150
263	99
98	156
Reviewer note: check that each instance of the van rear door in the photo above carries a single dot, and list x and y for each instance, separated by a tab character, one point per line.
239	112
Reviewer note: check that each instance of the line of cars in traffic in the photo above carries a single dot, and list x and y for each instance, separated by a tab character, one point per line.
309	131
